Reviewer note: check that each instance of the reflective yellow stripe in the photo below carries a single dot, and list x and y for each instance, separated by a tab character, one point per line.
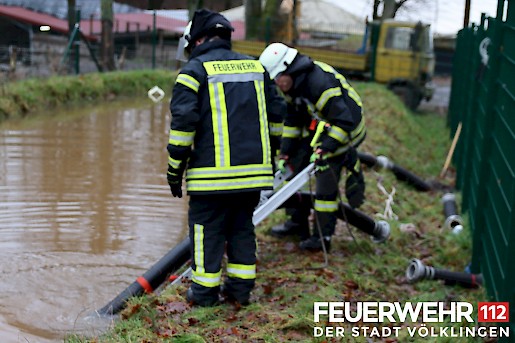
291	131
220	126
199	274
338	134
357	166
276	129
233	67
357	135
359	130
249	77
206	279
230	184
231	171
188	81
263	122
326	95
182	138
357	140
241	271
198	247
174	163
351	91
318	132
326	205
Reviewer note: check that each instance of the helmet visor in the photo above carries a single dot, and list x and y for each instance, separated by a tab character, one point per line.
182	55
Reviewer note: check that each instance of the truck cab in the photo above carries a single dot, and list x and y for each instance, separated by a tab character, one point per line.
403	59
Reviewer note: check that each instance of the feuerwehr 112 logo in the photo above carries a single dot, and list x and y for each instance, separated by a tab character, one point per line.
421	319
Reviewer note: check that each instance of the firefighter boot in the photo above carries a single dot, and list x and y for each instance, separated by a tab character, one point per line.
313	243
206	302
230	298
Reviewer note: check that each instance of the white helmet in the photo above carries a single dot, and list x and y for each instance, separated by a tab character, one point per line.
184	41
276	58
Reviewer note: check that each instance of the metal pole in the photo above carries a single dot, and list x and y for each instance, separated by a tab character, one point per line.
467	14
77	43
154	41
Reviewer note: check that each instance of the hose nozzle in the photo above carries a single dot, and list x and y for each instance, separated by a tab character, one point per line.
381	232
453	221
384	162
418	271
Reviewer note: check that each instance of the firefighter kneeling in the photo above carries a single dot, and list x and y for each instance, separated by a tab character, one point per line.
326	111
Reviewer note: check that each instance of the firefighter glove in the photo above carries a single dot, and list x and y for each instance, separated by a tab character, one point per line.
174	177
283	162
355	187
319	158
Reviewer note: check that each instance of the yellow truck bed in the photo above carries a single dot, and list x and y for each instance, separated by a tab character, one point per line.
338	59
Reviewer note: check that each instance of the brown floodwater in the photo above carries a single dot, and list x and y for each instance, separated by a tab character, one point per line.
84	210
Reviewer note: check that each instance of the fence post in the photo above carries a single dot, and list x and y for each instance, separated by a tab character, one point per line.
154	40
76	43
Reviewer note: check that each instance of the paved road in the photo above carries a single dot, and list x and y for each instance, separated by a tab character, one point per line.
440	101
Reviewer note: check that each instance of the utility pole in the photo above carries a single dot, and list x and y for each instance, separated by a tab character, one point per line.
467	14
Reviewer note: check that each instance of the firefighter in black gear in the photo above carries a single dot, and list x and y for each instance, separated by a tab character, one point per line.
323	106
298	221
226	122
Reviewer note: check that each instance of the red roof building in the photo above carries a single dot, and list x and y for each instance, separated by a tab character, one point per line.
91	28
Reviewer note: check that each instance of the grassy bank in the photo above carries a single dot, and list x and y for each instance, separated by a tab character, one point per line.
28	97
289	281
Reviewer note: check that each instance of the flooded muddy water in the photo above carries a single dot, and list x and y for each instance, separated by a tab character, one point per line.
84	210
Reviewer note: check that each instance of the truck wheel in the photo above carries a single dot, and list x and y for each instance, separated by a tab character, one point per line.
409	96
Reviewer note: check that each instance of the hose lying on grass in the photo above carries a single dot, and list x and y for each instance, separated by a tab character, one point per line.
399	172
417	271
180	254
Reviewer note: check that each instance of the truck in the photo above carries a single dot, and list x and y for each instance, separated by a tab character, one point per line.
396	53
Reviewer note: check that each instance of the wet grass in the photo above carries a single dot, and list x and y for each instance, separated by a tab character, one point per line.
27	98
289	280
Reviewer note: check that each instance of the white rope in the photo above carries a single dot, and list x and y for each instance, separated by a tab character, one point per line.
388	211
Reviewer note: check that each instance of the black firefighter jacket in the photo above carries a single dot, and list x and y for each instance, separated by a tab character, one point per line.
322	105
226	121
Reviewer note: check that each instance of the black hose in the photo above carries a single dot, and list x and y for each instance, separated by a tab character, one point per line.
180	254
152	278
400	173
417	271
367	159
410	178
378	230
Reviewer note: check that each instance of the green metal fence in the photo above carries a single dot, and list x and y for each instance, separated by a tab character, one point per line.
483	100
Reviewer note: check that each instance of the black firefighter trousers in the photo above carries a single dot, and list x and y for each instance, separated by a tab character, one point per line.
218	222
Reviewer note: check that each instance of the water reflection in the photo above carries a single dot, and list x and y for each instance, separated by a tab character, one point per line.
84	210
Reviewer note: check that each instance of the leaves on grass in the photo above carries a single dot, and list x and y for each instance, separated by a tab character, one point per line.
231	318
130	310
267	289
350	284
174	307
192	321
